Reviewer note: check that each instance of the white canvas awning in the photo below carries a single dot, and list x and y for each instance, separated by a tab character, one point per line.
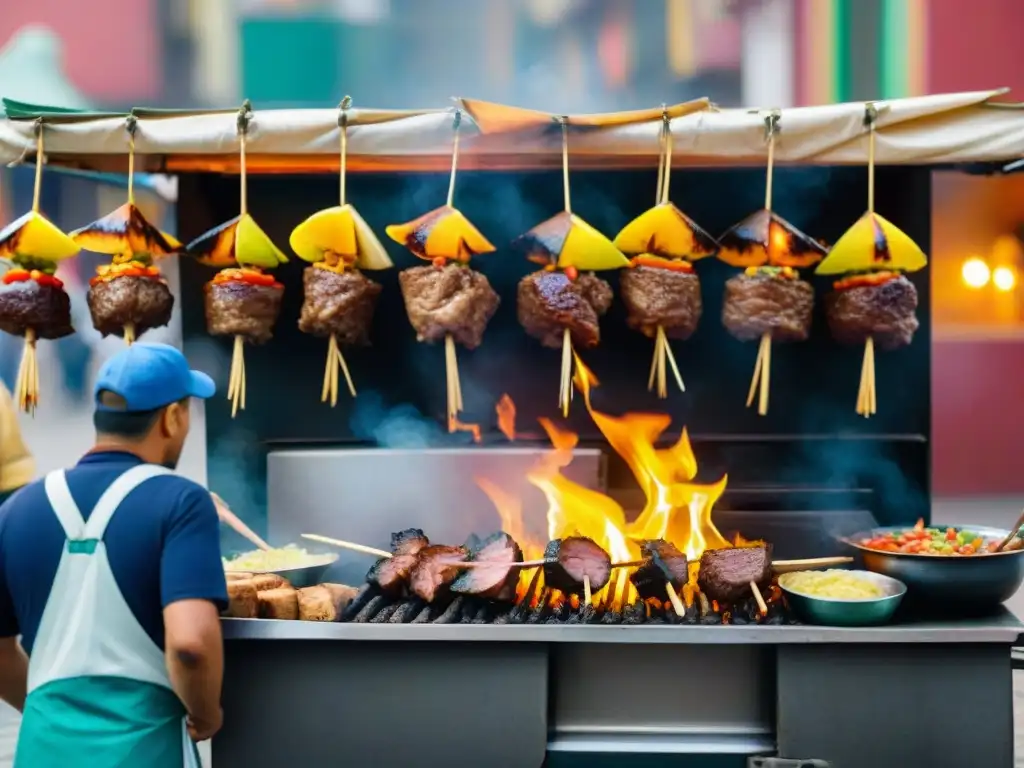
928	130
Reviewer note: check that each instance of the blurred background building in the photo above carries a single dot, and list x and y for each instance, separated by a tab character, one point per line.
586	55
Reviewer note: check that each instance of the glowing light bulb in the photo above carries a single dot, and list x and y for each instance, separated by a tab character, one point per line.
975	272
1004	278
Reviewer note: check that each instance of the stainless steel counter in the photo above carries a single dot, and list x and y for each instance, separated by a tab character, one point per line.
1001	627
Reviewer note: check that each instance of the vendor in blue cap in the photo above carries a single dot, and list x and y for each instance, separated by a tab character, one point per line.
110	572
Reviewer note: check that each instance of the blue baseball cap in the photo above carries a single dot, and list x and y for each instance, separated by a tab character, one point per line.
150	376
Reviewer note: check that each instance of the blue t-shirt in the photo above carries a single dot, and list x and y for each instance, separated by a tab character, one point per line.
163	544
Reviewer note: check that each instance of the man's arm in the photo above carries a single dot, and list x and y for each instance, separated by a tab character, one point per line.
193	591
13	672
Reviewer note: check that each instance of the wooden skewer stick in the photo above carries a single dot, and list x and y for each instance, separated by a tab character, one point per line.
236	379
587	597
760	382
677	604
26	391
129	333
347	545
454	387
758	597
1013	532
234	521
565	385
787	566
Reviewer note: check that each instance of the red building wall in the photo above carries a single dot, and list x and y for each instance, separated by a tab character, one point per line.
111	47
976	45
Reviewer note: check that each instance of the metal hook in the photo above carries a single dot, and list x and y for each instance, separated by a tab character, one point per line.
244	116
457	120
343	107
38	127
131	124
870	115
771	124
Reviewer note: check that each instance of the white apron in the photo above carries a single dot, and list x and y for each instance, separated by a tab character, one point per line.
98	690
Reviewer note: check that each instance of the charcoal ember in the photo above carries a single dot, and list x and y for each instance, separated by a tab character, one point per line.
338	304
366	593
611	617
484	613
574	558
550	302
448	301
502	618
407	612
452	613
537	615
711	619
589	615
725	574
574	619
634	614
739	620
236	308
408	542
563	611
385	614
663	564
498	579
46	309
436	567
426	615
144	302
391	574
371	609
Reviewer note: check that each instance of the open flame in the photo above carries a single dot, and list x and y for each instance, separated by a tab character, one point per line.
676	508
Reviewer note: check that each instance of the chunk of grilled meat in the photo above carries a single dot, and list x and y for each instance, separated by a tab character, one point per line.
453	300
661	297
497	580
663	564
339	305
145	302
236	308
437	566
760	304
46	309
576	557
391	574
549	302
408	542
725	574
886	313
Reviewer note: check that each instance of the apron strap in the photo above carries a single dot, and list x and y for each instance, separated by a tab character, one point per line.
115	494
64	506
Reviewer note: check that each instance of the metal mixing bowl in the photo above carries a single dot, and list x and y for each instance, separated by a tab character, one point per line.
871	611
306	575
975	581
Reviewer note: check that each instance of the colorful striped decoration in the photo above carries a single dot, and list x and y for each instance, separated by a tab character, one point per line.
817	37
680	43
903	49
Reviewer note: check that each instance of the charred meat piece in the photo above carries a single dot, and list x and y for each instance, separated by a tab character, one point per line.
725	574
336	304
661	297
549	302
664	564
575	558
762	303
391	574
145	302
453	299
886	312
437	566
408	542
497	580
236	308
46	309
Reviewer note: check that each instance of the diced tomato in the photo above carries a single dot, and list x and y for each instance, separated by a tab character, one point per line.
950	534
439	261
572	273
656	262
16	276
919	525
864	280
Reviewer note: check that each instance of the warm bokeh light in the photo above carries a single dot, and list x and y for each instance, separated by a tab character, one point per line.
1004	278
975	272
